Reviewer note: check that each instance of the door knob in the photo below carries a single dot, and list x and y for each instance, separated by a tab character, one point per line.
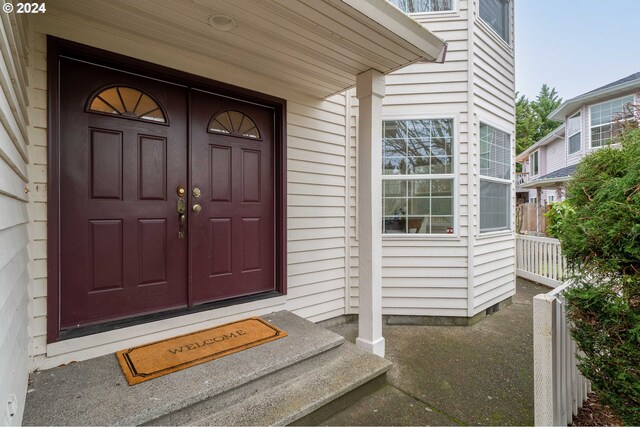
196	208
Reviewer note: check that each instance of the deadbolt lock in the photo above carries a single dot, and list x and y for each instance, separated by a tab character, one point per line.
180	191
196	192
197	208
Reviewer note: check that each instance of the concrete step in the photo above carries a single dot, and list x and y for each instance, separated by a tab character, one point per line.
258	381
289	394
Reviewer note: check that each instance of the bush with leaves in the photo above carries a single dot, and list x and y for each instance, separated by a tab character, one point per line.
598	226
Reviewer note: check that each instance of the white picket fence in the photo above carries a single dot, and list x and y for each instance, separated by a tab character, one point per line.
560	390
540	259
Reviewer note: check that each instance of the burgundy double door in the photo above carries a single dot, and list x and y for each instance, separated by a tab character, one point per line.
166	196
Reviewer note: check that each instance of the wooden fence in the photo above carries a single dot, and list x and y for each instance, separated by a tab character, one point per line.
559	388
528	221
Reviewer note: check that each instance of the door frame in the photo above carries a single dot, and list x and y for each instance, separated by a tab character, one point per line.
57	47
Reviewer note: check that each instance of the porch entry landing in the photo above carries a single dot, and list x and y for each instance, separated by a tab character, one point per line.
276	383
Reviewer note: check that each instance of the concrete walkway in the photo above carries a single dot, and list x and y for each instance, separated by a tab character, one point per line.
455	375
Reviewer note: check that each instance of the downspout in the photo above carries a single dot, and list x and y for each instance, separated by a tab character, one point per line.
472	149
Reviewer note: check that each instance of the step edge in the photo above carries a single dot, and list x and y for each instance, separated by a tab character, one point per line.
383	367
201	397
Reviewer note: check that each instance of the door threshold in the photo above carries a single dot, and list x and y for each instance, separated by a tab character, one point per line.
83	331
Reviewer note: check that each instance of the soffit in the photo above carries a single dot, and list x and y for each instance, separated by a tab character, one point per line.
313	46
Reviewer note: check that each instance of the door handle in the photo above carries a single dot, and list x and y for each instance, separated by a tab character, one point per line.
181	208
182	218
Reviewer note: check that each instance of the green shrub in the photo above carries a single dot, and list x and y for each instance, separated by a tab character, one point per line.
598	226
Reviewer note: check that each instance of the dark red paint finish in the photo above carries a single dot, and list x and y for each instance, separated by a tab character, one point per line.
134	183
120	252
232	238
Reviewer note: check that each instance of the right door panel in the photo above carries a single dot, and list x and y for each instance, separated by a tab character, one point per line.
233	236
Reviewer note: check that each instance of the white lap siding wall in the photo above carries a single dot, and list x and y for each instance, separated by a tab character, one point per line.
426	275
14	220
493	104
463	274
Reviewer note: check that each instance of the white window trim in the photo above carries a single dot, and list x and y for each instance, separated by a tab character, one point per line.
537	153
453	11
568	136
492	33
455	175
591	147
511	226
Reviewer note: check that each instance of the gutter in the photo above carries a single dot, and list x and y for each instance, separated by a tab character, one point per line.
537	183
582	99
546	139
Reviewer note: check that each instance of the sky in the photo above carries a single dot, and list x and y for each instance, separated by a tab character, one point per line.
575	45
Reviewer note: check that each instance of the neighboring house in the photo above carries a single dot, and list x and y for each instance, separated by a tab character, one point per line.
169	166
588	123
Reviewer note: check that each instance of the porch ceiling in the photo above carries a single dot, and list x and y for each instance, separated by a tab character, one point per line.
316	47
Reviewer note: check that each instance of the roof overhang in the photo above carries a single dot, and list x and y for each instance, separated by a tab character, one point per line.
571	106
315	47
545	183
548	138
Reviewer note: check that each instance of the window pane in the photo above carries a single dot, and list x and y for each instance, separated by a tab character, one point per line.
495	153
604	117
494	206
395	206
496	14
418	206
394	166
417	6
394	188
442	225
533	161
417	147
575	143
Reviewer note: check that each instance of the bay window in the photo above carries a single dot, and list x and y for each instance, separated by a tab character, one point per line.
495	179
418	176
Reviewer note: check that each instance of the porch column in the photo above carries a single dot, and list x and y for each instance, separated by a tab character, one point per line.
370	87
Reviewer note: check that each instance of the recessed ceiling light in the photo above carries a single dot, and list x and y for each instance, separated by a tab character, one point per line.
222	22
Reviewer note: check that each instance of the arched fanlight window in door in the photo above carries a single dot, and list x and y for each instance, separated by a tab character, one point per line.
235	123
127	102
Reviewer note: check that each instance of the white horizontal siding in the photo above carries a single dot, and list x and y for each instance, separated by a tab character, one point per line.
425	275
494	270
317	208
494	104
494	76
555	155
38	194
14	236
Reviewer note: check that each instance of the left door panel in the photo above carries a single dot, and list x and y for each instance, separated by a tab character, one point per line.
121	161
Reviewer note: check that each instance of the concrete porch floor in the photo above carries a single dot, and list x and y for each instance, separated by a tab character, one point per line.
454	375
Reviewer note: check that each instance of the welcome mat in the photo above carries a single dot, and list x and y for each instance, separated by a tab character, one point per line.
160	358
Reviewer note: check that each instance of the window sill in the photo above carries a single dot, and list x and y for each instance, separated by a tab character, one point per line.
493	234
434	15
486	28
416	236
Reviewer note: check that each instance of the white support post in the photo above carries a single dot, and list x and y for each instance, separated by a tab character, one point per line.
370	87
